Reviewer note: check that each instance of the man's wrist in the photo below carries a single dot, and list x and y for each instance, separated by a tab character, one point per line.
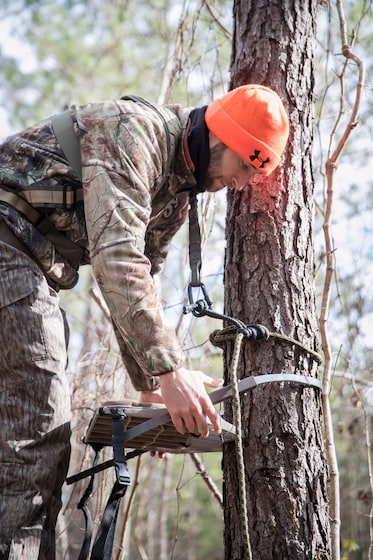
166	377
170	371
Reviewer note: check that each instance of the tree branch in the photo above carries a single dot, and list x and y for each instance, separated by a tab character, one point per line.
331	166
207	478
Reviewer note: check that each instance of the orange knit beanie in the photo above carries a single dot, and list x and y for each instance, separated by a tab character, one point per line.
251	121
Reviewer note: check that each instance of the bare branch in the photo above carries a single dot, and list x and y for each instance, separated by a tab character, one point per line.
331	166
215	18
201	469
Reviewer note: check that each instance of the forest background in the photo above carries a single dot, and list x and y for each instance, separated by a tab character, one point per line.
57	53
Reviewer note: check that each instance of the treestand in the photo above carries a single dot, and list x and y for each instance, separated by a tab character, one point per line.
143	427
140	427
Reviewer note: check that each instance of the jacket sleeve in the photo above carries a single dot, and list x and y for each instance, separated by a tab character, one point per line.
139	379
122	161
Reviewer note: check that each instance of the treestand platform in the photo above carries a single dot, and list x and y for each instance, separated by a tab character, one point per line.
148	427
140	427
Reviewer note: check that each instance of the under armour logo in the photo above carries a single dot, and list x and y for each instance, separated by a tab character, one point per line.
256	156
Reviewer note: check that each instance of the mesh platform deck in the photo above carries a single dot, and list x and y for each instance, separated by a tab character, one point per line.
164	438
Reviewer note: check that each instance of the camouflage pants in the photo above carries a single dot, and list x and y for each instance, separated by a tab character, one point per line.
34	409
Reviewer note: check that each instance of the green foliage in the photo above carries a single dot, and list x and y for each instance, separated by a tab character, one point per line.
81	51
347	547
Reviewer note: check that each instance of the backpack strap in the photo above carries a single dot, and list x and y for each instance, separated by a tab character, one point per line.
20	204
64	131
71	251
63	128
195	258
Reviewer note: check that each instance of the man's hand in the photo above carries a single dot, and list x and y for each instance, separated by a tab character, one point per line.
184	395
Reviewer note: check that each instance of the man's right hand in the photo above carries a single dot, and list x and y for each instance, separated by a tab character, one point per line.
185	397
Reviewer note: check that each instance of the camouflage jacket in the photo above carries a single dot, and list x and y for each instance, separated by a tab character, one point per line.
135	182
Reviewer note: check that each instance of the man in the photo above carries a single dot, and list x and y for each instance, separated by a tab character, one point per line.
139	163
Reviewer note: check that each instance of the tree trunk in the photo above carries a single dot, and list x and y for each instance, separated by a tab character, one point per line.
270	280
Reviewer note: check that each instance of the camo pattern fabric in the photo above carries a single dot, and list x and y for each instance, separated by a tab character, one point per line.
34	408
134	200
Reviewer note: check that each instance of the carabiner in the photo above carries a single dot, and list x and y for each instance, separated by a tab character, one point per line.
201	306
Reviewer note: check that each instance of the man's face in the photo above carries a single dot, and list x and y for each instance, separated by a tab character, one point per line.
227	169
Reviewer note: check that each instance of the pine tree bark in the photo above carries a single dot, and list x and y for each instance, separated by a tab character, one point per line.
270	280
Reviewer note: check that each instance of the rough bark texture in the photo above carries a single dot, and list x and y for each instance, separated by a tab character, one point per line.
270	280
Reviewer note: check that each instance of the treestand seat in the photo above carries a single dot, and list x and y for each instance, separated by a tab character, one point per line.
140	427
162	438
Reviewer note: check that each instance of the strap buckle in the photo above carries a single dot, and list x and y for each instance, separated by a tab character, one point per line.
117	419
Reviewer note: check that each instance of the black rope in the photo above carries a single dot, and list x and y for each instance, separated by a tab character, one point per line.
202	308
